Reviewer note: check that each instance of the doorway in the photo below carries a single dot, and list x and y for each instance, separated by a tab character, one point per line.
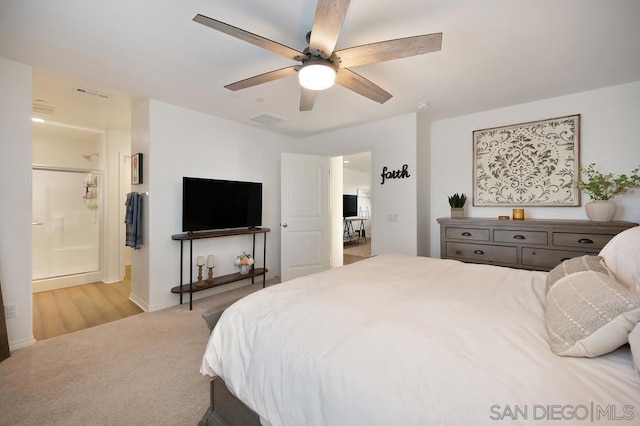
67	206
357	207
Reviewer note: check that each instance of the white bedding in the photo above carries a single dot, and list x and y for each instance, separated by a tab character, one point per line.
400	340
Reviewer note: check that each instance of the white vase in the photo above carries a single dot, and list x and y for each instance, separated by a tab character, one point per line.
600	210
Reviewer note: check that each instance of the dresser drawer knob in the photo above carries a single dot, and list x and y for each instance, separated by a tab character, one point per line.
458	252
466	234
585	241
519	237
478	252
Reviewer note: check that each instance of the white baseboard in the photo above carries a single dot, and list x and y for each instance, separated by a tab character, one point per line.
139	302
65	281
19	344
112	280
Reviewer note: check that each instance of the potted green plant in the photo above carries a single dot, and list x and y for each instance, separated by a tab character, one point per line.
456	201
601	188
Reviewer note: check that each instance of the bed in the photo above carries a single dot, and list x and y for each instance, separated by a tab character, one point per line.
402	340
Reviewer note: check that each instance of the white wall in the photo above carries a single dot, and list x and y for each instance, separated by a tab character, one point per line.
354	179
64	146
392	143
140	291
118	146
609	138
423	194
180	142
15	193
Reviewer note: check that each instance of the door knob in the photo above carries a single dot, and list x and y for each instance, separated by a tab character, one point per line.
284	225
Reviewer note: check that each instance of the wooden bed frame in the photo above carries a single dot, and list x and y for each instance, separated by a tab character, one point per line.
226	409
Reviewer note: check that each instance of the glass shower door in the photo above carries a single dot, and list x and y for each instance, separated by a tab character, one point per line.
66	223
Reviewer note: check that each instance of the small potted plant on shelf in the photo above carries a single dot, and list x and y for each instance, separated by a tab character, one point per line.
456	201
601	188
244	262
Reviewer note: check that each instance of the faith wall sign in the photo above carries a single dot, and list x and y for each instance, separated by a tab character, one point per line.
395	174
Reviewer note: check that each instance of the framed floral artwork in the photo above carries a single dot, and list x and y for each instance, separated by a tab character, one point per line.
527	164
136	169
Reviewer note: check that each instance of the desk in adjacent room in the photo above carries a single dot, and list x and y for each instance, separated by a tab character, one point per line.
351	235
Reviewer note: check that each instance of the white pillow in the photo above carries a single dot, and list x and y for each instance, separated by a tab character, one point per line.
634	342
590	314
622	257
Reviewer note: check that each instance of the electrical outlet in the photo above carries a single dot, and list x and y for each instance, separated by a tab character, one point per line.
10	311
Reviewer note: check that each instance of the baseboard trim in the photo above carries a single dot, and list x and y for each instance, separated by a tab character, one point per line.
54	283
19	344
112	280
139	302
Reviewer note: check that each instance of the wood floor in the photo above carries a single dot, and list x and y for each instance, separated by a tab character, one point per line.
357	251
66	310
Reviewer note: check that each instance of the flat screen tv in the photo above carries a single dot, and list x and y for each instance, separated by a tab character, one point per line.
349	205
210	204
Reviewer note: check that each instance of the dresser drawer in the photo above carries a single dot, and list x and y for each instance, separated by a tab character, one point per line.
467	234
482	252
586	241
520	237
546	258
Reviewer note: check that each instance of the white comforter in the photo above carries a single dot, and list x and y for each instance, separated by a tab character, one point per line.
400	340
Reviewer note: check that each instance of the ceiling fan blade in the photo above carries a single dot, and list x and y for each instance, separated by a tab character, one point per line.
390	49
362	86
252	38
307	99
327	24
262	78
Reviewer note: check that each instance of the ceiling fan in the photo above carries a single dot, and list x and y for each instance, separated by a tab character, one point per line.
321	65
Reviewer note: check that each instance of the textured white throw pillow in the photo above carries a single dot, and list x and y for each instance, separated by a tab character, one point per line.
573	265
590	314
622	257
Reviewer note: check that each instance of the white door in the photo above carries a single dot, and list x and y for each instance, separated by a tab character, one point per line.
304	223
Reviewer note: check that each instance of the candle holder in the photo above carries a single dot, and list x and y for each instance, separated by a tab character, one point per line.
199	283
210	277
518	214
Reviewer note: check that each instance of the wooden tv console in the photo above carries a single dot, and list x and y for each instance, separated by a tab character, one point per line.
192	286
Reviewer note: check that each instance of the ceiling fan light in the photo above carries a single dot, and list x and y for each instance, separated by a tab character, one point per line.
316	76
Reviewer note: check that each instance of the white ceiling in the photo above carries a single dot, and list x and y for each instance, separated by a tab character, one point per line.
495	53
360	162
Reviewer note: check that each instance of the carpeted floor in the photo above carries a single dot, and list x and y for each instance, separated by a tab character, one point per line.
141	370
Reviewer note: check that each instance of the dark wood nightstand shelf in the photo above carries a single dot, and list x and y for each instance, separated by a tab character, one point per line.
536	244
192	287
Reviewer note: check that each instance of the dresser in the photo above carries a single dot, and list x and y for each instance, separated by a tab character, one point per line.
536	244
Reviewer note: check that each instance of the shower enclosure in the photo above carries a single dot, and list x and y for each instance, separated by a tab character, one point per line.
66	222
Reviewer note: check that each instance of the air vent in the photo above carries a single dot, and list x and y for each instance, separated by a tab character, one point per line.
267	119
44	109
91	92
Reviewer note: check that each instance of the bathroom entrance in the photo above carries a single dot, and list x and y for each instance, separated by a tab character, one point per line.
67	199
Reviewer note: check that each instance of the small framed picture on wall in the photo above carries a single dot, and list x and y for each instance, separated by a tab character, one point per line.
364	192
136	169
